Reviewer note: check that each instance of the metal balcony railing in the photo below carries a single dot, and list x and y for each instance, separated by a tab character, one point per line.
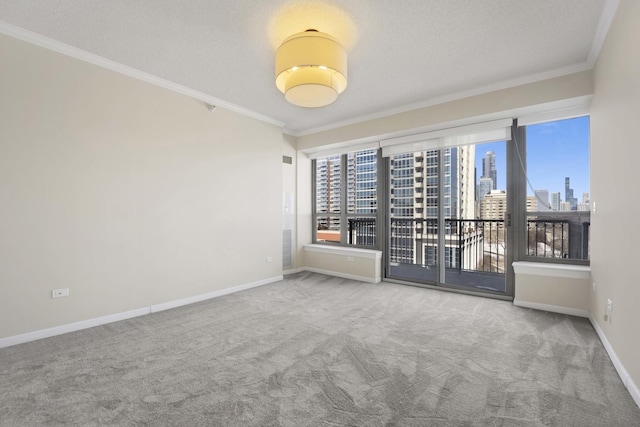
558	234
469	244
362	231
477	244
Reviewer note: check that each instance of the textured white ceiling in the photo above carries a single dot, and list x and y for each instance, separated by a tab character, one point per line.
402	53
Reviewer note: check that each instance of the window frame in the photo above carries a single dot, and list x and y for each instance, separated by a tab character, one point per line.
344	215
520	206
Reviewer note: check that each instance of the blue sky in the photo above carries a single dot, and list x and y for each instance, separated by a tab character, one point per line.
555	150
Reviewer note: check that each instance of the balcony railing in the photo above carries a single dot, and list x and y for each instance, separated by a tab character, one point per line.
469	244
362	231
558	234
477	244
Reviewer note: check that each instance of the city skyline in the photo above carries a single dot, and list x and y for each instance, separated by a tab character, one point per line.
555	151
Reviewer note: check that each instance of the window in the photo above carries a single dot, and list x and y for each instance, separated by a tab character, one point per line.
557	202
346	198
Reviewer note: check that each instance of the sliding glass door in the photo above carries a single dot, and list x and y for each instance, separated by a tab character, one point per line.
447	210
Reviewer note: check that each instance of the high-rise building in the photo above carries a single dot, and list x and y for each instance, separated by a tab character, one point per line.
542	200
402	185
466	181
414	189
489	168
494	205
414	184
555	201
585	205
362	191
568	195
485	187
328	188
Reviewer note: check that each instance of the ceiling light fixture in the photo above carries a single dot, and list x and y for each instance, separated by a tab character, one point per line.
311	69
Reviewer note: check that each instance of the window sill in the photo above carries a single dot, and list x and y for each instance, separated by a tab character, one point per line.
344	251
569	271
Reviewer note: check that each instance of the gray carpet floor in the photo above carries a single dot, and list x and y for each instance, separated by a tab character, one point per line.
321	351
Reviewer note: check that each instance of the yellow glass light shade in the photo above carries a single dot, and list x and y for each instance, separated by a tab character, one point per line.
311	69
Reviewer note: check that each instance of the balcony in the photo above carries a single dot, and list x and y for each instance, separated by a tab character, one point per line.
558	235
475	249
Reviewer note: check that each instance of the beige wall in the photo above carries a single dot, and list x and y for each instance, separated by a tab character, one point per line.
484	105
127	194
614	186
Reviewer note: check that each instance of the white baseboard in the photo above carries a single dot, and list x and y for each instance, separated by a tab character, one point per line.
72	327
90	323
552	308
343	275
293	271
624	375
203	297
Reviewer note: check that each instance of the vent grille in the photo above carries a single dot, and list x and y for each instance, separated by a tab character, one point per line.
287	248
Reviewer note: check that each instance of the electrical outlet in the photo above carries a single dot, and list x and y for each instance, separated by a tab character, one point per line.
57	293
594	286
269	259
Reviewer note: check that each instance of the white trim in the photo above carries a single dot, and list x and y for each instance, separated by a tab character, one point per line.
344	251
293	271
552	270
633	388
552	308
103	320
496	130
343	275
572	69
339	148
450	131
606	19
82	55
72	327
548	116
203	297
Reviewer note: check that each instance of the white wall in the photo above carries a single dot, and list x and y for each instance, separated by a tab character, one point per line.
127	194
615	177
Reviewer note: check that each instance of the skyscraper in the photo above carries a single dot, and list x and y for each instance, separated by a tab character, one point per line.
555	201
542	200
568	195
494	205
489	168
362	194
485	187
414	186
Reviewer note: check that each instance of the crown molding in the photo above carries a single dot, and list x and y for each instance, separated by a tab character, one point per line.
606	19
82	55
